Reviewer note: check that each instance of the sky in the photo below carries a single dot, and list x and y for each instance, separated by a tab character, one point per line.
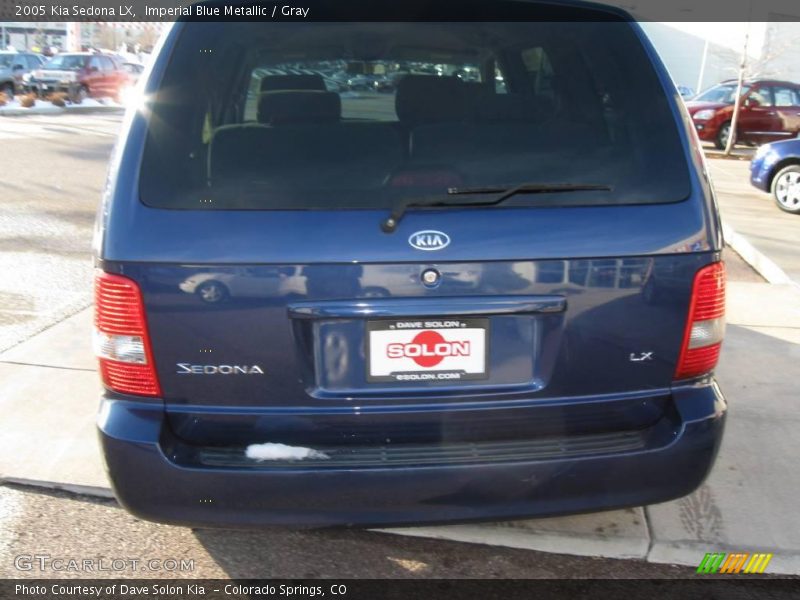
730	35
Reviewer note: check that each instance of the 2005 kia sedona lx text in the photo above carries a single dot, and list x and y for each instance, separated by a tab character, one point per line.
365	271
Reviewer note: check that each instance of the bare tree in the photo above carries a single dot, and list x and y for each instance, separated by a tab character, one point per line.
774	49
737	103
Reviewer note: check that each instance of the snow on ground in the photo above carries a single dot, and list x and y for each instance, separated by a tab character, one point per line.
271	451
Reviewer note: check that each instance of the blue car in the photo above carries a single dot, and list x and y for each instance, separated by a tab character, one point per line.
452	301
775	169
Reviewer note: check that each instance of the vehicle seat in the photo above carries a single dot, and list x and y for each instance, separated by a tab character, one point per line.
300	143
292	106
471	129
422	99
271	83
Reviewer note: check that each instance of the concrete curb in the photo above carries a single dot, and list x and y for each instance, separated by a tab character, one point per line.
81	490
558	535
532	535
591	534
763	265
720	155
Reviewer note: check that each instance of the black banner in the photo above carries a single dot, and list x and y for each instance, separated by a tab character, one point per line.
704	587
372	10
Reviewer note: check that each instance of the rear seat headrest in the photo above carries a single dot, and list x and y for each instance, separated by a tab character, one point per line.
513	107
299	107
426	98
271	83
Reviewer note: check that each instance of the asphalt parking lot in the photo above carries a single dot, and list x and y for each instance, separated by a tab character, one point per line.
54	172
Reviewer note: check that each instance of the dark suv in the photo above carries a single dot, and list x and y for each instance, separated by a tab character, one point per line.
13	68
81	75
770	111
452	300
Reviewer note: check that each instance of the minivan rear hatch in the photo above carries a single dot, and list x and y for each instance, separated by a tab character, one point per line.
280	309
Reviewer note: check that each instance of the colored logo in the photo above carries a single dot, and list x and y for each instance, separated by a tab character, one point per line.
429	240
428	349
734	562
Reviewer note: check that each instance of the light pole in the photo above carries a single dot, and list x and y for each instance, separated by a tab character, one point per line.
699	87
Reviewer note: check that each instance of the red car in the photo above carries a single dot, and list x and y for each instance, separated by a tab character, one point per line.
81	75
770	111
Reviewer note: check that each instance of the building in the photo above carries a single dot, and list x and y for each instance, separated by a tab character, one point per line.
38	36
32	36
773	51
682	53
780	54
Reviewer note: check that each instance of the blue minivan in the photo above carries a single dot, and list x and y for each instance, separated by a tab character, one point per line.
492	289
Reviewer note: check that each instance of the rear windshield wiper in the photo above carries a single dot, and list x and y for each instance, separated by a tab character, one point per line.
389	224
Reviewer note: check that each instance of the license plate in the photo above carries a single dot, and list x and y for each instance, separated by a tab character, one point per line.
427	350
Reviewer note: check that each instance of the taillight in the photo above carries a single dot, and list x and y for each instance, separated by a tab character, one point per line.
705	326
121	341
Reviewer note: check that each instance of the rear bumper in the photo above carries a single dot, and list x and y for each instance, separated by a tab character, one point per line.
151	485
41	86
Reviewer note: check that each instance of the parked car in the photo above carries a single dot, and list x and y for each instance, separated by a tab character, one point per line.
13	68
469	73
334	85
686	92
81	75
337	81
433	312
213	287
361	83
770	111
775	168
134	71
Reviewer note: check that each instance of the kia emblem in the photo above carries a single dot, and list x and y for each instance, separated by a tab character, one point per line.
429	239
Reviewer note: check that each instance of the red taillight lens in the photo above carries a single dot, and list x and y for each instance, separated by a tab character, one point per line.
705	326
121	341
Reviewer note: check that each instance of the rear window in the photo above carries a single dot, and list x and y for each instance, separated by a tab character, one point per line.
66	61
724	93
361	115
